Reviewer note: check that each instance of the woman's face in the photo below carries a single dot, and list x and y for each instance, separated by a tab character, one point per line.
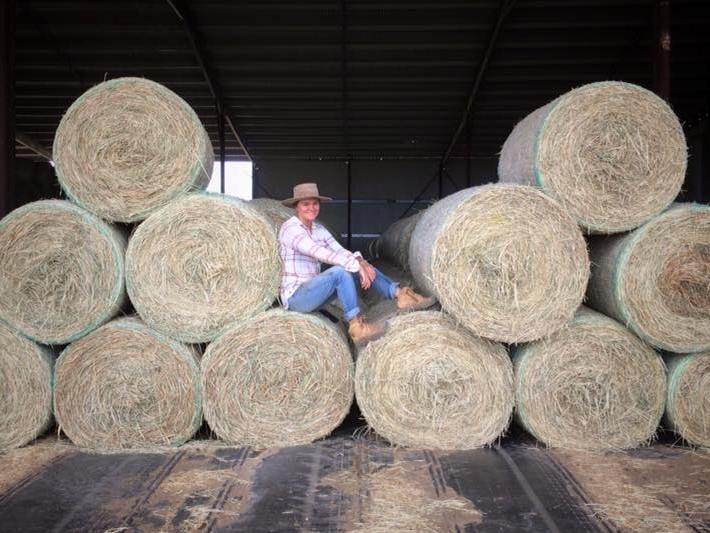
307	210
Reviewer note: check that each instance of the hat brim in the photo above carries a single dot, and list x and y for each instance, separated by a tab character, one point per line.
290	202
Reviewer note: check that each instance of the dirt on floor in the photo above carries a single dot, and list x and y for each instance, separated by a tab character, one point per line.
662	488
23	464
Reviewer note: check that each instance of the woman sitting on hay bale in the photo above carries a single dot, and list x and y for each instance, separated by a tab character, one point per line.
304	244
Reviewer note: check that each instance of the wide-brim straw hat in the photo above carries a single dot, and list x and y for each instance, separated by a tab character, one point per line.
303	191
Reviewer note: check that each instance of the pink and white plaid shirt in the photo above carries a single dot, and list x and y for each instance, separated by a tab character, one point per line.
302	252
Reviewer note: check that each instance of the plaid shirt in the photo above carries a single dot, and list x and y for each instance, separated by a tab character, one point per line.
302	252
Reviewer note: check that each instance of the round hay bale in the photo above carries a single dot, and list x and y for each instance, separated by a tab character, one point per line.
505	260
25	389
217	263
278	379
591	385
395	241
688	401
127	386
656	279
613	154
128	146
61	271
428	383
275	212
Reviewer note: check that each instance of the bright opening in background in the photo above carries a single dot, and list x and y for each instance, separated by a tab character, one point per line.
237	179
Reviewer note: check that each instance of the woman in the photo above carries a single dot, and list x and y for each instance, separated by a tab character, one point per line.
304	244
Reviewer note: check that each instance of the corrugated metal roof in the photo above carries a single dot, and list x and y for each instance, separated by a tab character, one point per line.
366	79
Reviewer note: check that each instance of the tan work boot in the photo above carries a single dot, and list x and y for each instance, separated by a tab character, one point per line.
411	301
361	332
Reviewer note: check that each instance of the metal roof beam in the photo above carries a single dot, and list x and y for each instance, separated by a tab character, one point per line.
505	8
28	142
182	13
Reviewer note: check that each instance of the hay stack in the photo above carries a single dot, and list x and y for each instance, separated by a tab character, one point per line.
127	386
61	271
591	385
278	379
395	241
199	264
273	210
613	154
656	279
429	383
688	402
25	389
128	146
505	260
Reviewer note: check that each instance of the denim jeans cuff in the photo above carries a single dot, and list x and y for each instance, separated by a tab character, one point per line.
349	315
393	290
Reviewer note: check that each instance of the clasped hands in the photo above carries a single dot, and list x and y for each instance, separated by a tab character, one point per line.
367	273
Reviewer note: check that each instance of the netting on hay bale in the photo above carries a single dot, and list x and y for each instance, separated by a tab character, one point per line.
201	263
394	242
127	386
61	271
688	401
655	279
613	154
506	261
278	379
431	383
25	389
128	146
591	385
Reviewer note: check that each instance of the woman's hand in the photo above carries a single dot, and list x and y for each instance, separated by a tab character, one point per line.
367	274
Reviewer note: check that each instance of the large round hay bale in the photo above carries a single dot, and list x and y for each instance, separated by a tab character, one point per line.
430	383
127	386
278	379
25	389
128	146
613	154
591	385
275	212
688	401
505	260
61	271
395	241
656	279
199	264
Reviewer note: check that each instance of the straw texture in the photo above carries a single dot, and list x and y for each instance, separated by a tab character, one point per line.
395	241
432	384
61	271
504	260
656	279
688	402
25	389
127	386
128	146
592	385
274	211
201	263
278	379
613	154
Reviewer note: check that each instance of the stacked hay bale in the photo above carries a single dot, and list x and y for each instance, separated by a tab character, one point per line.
127	386
61	271
656	279
218	264
430	383
688	401
273	210
504	260
612	154
591	385
25	389
394	242
280	378
128	146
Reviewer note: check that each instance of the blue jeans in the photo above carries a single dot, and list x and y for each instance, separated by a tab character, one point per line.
336	281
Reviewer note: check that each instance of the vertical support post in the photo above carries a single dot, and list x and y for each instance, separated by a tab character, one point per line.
348	166
7	107
468	156
222	151
662	53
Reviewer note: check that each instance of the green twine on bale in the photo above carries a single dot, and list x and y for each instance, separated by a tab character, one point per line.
688	401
